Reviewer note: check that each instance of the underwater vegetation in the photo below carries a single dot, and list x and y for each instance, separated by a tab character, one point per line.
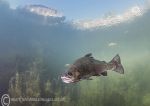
129	90
33	56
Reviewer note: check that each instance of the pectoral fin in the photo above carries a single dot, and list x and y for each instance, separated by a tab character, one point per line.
104	73
89	79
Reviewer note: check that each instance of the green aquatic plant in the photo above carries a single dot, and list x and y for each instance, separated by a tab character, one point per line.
128	90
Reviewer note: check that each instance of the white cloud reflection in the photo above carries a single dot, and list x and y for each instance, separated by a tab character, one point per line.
133	12
42	10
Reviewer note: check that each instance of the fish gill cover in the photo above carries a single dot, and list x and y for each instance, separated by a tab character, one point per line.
33	52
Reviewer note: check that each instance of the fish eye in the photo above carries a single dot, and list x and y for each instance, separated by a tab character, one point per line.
69	73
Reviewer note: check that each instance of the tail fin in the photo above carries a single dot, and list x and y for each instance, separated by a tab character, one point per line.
117	64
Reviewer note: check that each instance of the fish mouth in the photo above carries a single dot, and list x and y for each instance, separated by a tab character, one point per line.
66	79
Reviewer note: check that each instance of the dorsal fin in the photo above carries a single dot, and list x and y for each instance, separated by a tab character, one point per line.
88	55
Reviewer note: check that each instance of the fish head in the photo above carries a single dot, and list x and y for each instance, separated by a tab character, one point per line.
71	76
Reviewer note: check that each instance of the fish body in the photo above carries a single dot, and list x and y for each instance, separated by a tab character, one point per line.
86	67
